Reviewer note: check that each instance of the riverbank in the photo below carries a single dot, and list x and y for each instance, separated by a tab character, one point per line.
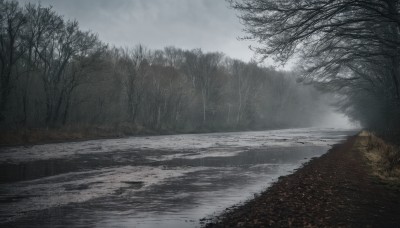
34	136
37	136
340	188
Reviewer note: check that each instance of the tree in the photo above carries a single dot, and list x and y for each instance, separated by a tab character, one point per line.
12	21
61	48
242	78
135	64
335	39
202	68
41	23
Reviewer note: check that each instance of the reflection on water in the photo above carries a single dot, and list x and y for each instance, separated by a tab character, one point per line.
171	185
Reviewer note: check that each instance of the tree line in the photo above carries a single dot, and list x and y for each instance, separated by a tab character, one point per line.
53	74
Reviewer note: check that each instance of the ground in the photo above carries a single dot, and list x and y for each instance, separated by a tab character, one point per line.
338	189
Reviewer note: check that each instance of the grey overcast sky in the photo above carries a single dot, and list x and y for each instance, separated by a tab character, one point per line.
207	24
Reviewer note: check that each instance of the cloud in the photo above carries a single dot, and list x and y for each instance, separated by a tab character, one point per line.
188	24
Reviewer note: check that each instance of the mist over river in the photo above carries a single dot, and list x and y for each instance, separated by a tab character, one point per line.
154	181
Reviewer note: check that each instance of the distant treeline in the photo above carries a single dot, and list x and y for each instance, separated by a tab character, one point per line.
53	75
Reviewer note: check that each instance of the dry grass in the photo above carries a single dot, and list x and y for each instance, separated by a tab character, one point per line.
384	158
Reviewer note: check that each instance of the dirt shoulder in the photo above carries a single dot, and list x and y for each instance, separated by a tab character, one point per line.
336	189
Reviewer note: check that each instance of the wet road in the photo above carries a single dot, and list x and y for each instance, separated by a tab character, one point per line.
157	181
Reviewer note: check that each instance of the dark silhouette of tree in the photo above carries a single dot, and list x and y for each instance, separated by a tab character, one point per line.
347	46
12	21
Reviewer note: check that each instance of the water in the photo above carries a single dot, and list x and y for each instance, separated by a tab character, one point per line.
158	181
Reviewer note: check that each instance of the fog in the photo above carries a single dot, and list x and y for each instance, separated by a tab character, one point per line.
337	120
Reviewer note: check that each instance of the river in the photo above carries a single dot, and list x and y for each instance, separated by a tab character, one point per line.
154	181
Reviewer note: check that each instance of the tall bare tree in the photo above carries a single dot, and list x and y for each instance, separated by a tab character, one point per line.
12	21
335	39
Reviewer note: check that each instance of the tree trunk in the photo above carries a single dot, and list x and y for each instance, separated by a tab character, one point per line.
203	93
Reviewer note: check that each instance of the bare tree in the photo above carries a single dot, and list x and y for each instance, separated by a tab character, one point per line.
202	69
12	21
335	39
61	47
136	65
41	22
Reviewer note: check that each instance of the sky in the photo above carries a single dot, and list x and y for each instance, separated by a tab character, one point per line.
207	24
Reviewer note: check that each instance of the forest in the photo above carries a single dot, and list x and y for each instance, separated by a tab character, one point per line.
56	76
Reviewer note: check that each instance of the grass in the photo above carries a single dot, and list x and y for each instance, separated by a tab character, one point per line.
383	157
